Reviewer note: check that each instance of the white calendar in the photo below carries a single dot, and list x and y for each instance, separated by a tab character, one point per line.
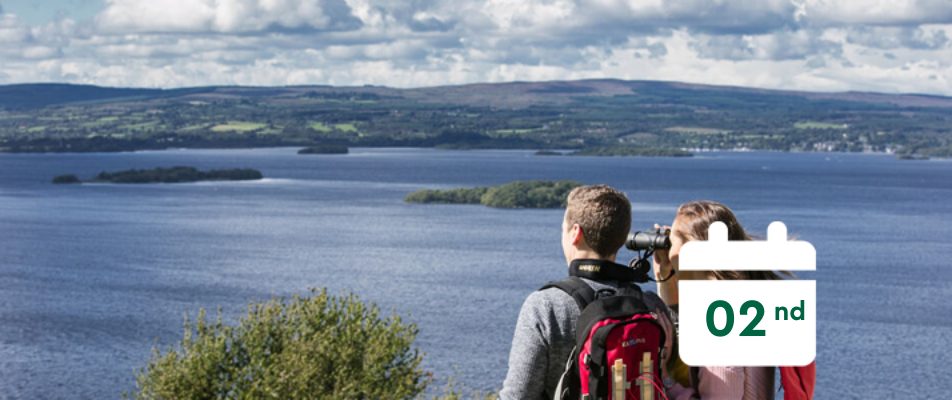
750	322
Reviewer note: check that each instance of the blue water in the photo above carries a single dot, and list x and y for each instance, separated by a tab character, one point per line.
93	276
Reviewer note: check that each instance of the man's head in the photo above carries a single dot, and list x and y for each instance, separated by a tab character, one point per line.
596	223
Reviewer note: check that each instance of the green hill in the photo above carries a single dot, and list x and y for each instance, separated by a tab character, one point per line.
599	113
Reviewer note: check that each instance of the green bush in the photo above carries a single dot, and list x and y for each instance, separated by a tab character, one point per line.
317	347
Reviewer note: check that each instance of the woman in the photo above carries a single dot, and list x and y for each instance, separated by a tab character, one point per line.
691	223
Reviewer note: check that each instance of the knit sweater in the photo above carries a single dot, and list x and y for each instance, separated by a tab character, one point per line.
545	336
736	383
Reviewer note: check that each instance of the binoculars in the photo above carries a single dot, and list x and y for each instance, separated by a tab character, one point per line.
655	239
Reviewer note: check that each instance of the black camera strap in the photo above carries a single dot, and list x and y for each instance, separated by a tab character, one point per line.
603	270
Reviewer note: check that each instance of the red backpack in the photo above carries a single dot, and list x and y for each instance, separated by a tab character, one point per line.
619	346
798	382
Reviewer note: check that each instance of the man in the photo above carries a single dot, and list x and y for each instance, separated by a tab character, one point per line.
595	226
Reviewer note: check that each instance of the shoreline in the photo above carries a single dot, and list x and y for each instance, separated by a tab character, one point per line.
691	150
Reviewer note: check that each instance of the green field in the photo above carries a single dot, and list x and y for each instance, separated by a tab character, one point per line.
238	126
818	125
516	131
695	130
347	127
320	127
193	127
140	126
101	122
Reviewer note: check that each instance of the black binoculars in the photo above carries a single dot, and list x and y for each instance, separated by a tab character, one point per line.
655	239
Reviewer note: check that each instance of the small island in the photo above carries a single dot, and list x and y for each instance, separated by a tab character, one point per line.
548	153
632	151
920	153
170	175
325	149
66	179
519	194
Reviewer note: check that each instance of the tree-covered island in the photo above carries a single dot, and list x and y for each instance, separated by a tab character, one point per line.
66	179
168	175
325	149
631	151
620	151
519	194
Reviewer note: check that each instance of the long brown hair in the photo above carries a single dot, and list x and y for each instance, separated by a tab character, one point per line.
696	216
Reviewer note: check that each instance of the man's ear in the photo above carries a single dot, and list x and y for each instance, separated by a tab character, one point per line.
577	235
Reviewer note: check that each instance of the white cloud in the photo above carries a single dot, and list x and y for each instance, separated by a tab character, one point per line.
12	31
781	45
899	37
222	16
875	12
893	46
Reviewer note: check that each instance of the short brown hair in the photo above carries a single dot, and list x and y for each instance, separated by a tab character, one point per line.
603	213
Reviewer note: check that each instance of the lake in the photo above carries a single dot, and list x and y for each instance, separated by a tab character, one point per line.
93	276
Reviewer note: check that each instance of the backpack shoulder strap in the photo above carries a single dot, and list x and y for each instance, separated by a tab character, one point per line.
696	379
581	292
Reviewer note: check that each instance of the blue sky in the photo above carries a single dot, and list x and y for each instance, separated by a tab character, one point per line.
816	45
40	12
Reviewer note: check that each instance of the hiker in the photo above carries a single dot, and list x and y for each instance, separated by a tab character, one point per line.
691	223
595	226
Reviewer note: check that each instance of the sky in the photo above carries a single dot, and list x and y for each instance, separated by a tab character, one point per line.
891	46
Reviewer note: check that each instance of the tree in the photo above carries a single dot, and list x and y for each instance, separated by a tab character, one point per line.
317	347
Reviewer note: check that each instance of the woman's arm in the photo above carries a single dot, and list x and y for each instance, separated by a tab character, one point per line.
668	290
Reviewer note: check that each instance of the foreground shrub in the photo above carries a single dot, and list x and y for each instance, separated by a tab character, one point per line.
317	347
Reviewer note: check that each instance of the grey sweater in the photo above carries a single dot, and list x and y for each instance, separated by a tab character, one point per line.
545	335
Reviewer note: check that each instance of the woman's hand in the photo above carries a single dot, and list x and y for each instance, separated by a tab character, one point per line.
662	264
663	268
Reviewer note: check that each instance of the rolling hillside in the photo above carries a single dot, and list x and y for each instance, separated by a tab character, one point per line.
562	114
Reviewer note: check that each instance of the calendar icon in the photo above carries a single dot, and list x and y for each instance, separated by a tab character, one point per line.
747	322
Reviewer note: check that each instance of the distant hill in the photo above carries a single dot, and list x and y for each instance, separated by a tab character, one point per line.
46	94
508	94
37	95
533	115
